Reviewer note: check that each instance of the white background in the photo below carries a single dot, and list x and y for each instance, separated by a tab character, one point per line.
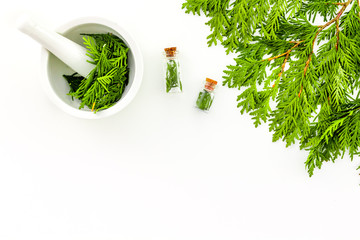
159	169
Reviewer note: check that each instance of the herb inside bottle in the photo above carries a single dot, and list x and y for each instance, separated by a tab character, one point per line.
172	74
206	96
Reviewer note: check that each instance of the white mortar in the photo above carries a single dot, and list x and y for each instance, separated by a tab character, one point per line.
57	87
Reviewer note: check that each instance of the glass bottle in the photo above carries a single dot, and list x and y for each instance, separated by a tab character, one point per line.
206	96
172	71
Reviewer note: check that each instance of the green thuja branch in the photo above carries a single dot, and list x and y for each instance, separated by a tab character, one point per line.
105	84
300	77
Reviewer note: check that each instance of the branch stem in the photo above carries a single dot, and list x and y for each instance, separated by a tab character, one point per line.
337	34
342	4
287	52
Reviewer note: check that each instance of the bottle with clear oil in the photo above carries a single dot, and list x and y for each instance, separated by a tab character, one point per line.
206	96
172	71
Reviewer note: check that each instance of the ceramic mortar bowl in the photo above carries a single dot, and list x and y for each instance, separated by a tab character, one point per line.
57	87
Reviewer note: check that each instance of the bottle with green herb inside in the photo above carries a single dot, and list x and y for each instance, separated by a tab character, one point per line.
172	71
206	96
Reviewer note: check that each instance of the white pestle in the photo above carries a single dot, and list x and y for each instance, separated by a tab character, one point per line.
71	53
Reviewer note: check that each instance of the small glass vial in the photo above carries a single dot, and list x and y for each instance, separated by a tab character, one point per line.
206	96
172	71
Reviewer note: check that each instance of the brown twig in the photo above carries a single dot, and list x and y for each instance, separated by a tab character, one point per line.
284	64
287	55
298	41
288	52
307	64
337	34
300	91
337	4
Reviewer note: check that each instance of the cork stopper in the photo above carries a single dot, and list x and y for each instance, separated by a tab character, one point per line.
170	52
210	84
211	81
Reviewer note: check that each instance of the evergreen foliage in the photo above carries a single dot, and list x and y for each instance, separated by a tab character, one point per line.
105	84
300	77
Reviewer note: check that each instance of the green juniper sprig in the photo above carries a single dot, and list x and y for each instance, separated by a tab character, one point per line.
299	77
105	84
